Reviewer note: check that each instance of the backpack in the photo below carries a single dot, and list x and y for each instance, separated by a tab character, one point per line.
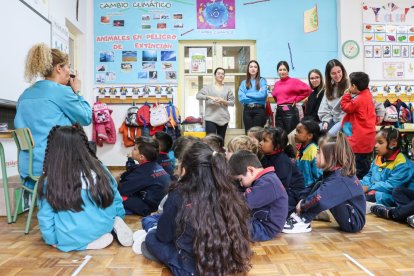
131	116
143	115
174	117
404	114
101	113
158	115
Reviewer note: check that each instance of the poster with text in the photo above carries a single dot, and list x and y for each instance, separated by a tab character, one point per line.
198	58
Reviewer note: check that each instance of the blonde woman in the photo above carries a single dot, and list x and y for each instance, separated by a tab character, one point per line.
54	100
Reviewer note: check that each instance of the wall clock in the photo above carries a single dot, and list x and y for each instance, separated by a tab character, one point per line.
350	49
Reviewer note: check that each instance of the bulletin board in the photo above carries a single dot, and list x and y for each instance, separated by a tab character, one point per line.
388	37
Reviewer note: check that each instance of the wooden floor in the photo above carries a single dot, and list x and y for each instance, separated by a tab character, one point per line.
383	248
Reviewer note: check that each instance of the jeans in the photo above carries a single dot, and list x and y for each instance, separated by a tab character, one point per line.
253	117
214	128
257	231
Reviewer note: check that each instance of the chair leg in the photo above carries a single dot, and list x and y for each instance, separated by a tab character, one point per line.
16	205
32	206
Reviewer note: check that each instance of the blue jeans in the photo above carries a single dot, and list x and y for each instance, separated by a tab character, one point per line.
257	231
149	222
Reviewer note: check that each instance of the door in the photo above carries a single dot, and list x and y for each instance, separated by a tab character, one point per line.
198	60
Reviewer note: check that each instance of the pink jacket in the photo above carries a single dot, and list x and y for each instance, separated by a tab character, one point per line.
104	132
290	90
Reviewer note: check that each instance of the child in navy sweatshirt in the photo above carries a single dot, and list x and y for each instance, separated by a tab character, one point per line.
339	191
277	154
165	142
264	194
143	186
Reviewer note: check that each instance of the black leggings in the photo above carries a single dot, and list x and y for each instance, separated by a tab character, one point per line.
214	128
287	117
253	117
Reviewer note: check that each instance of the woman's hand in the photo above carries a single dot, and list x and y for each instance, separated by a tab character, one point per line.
325	125
298	207
75	83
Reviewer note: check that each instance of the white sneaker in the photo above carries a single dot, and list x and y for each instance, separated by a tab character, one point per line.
139	238
368	207
295	224
123	232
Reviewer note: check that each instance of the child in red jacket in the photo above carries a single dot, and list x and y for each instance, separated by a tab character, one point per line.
359	122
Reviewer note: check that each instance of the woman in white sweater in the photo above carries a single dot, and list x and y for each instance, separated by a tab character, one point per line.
330	112
217	98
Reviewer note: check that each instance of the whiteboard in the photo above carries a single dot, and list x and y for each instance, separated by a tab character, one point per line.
21	28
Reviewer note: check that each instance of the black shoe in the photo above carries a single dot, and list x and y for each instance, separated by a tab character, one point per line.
381	211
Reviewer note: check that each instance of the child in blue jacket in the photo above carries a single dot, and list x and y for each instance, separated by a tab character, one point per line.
74	195
339	191
389	170
144	185
307	135
265	195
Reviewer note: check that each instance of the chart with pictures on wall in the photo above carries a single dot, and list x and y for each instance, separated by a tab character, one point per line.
136	42
388	38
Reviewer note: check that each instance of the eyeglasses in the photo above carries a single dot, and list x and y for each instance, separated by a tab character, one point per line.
314	78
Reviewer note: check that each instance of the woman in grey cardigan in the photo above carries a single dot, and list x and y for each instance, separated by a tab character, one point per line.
330	112
217	98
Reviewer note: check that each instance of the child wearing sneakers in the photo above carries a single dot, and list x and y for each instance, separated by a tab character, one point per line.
390	169
74	195
165	143
144	185
404	199
203	229
265	195
277	154
339	191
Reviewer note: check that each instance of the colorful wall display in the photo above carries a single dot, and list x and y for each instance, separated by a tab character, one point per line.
388	37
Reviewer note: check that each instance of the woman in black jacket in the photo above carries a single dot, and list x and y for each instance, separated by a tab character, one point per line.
314	100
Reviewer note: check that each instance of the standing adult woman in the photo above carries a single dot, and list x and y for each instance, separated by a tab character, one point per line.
315	80
55	100
253	95
287	92
217	98
330	112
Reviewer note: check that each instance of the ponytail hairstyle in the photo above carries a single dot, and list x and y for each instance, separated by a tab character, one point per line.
41	60
215	211
70	163
338	153
249	78
391	133
279	140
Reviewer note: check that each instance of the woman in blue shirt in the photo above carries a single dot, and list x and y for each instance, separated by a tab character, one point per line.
55	100
253	95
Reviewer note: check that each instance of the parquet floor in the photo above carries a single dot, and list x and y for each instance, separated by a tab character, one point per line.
383	247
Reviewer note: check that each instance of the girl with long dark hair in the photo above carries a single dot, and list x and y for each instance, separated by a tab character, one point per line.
79	204
315	80
203	229
253	95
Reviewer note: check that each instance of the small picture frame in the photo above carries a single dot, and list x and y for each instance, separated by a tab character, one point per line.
405	51
369	51
377	51
386	51
396	51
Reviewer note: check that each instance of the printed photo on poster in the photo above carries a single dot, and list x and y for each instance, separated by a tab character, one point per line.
148	65
106	56
126	67
386	51
198	60
377	51
216	14
143	75
393	70
168	56
412	51
170	75
396	50
369	51
149	55
405	51
130	56
101	68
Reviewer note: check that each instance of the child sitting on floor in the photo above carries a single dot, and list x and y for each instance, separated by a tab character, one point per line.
144	185
165	143
74	195
339	191
264	194
389	170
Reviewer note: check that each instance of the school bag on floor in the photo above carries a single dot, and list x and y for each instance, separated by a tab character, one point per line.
158	115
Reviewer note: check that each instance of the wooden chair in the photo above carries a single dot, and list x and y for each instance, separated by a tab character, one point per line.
24	142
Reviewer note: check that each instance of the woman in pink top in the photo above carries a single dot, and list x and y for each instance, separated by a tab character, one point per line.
287	92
